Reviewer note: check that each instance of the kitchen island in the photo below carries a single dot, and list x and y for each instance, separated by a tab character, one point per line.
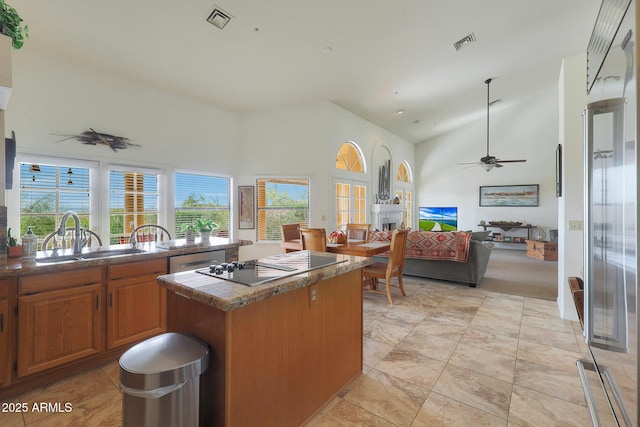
281	349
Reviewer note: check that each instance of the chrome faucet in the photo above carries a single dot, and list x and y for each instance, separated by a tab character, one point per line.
78	240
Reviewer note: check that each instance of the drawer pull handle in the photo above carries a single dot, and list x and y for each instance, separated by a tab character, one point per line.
97	302
2	322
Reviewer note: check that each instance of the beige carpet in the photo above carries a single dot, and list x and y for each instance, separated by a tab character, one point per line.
513	272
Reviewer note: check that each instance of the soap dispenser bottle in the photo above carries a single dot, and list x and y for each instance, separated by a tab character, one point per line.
29	245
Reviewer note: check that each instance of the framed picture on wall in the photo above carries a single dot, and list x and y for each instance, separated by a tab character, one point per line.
509	195
247	207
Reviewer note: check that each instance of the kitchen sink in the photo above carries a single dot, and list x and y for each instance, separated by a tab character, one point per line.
59	258
106	253
112	252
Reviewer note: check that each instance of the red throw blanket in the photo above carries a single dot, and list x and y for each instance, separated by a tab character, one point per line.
441	246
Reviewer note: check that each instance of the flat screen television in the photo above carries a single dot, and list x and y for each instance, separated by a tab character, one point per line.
438	219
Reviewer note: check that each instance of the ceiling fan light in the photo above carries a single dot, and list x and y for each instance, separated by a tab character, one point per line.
487	166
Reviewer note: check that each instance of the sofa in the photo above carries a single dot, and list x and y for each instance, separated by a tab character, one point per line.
456	256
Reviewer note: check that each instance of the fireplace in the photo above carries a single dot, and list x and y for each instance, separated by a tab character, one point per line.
386	217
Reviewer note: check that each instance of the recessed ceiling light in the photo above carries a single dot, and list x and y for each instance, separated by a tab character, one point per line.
327	50
400	111
218	17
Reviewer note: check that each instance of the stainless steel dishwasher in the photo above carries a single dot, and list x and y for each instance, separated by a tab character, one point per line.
194	261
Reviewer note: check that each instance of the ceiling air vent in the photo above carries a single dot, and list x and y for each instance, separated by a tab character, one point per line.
218	17
464	41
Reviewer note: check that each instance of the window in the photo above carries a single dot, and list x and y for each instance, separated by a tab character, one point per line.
404	188
281	201
202	196
351	203
349	158
48	189
350	194
133	201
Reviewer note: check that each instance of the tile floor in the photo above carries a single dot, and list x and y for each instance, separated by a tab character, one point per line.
445	355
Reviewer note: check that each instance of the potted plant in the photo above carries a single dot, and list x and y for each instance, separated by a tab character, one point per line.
11	25
13	249
205	226
189	232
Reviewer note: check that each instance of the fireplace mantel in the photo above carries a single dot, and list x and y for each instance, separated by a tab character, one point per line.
386	217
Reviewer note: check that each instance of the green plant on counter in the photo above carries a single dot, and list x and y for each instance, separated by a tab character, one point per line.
11	25
205	224
187	227
11	241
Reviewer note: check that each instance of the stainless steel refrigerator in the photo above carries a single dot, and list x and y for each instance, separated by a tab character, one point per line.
610	375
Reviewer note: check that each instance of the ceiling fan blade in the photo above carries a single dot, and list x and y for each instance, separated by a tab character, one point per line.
510	161
469	163
498	165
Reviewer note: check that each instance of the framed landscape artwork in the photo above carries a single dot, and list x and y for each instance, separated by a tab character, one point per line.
509	195
246	199
438	219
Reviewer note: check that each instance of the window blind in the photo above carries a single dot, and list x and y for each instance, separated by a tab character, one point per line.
202	196
133	201
281	201
47	192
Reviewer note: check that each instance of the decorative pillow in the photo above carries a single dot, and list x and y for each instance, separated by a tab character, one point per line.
480	236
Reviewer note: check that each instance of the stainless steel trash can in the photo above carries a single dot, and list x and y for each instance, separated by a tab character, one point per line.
160	381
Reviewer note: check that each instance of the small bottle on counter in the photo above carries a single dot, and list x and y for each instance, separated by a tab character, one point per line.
29	245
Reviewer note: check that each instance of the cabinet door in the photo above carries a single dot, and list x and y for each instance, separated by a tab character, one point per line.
4	340
57	327
136	307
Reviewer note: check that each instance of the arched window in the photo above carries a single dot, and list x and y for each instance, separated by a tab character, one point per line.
404	189
350	190
350	158
404	173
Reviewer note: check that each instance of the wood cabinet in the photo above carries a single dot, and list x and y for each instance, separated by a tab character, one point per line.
277	361
136	305
5	332
60	319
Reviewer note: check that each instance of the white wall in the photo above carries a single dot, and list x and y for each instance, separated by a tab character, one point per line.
57	96
571	204
519	129
303	141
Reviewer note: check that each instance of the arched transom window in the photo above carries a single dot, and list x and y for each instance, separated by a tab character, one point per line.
349	158
404	175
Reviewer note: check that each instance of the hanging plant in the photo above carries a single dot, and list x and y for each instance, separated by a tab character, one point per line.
11	25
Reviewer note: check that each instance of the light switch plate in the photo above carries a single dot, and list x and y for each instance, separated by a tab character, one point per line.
575	224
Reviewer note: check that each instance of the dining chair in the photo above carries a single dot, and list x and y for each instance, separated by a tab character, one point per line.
359	232
314	239
53	241
149	233
290	232
577	292
393	268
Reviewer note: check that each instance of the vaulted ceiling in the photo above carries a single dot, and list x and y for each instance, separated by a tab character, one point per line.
371	57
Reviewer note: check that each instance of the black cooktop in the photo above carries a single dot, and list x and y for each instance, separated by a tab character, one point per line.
257	272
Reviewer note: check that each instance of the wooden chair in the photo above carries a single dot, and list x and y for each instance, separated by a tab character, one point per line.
149	233
379	270
313	239
53	241
577	291
290	232
358	232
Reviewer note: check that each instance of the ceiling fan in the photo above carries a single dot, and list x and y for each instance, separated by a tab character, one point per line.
488	162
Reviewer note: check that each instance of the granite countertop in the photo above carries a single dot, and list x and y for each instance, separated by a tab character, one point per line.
226	295
149	250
